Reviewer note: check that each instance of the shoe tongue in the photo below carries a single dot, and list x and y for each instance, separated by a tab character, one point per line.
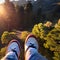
31	46
32	42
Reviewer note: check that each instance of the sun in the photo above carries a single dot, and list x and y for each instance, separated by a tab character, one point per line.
2	1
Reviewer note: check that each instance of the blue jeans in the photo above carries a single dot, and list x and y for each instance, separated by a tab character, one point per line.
31	54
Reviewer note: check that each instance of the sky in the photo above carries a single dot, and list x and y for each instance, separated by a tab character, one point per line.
2	1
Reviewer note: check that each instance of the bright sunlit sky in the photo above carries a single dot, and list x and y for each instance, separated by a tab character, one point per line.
2	1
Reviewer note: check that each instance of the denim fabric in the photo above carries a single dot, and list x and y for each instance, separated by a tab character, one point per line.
37	56
32	54
10	56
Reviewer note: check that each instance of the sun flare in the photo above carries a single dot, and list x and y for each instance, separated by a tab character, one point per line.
2	11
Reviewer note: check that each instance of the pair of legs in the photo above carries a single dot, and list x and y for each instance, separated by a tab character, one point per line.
30	47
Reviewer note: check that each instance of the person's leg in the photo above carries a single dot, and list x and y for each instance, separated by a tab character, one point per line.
13	51
31	49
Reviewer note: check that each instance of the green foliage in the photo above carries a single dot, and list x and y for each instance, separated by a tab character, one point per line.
53	41
4	36
40	30
56	56
50	35
2	51
8	36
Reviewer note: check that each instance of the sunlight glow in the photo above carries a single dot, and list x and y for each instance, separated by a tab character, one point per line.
2	10
2	1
